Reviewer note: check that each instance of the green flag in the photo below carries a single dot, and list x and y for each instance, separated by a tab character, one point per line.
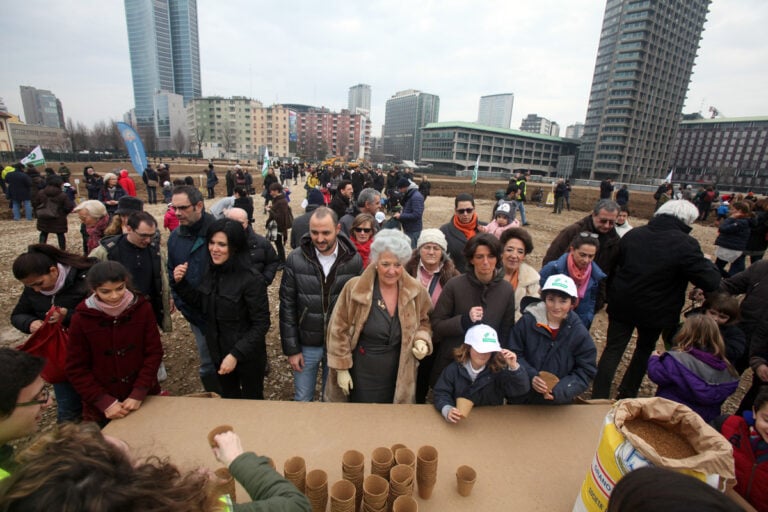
474	171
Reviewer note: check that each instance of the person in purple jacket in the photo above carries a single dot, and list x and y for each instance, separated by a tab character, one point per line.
696	373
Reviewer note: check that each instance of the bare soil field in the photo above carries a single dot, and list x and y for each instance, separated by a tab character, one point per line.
180	353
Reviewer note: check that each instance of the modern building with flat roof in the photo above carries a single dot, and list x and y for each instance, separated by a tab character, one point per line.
41	107
536	124
224	123
643	67
359	99
455	146
406	113
165	54
732	152
496	110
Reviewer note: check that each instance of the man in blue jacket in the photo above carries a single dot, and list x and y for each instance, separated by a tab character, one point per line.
187	244
413	209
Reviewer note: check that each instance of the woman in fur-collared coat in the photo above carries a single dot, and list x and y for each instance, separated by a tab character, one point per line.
379	329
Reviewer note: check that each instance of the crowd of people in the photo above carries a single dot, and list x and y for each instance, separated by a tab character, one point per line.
382	308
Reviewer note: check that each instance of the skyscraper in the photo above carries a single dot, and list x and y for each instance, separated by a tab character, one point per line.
535	124
165	53
41	107
644	63
496	110
406	113
360	99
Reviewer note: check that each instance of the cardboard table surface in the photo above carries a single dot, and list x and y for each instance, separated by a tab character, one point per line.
526	457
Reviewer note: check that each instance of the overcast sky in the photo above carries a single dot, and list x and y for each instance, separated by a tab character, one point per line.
311	52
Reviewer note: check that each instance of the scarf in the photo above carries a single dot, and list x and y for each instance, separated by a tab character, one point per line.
113	311
63	272
363	249
470	228
580	277
96	231
513	278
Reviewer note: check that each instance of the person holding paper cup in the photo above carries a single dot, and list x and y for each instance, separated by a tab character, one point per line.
483	374
550	338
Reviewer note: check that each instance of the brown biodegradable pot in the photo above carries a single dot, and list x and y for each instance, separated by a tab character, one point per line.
226	482
216	431
405	504
342	496
465	480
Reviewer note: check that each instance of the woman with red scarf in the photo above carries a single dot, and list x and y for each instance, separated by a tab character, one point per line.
361	234
578	264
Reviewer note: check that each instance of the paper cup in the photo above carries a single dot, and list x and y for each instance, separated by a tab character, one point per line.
396	447
226	482
216	431
425	489
342	496
426	463
381	462
352	460
375	490
465	479
317	489
464	405
401	475
295	471
405	504
405	456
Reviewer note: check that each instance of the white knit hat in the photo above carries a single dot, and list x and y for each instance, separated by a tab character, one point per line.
432	236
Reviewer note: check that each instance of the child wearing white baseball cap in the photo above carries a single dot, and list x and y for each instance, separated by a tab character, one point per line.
483	372
551	338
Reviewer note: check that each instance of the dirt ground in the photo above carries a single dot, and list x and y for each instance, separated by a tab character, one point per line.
180	353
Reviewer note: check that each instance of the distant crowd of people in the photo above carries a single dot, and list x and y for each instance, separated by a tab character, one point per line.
380	307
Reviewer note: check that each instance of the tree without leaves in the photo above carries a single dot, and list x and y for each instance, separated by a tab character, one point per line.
179	141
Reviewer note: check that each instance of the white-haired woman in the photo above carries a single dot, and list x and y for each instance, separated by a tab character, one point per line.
111	193
93	214
379	329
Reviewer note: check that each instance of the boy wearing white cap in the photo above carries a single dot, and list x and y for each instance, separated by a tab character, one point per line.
483	373
550	338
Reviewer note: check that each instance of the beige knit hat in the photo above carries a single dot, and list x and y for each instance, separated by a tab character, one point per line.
432	236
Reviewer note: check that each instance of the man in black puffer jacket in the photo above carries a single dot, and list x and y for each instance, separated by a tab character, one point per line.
655	264
313	277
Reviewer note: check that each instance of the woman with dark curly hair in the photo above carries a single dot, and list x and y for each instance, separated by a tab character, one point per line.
77	468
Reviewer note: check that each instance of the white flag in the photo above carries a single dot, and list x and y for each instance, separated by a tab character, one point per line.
668	179
265	167
474	171
35	157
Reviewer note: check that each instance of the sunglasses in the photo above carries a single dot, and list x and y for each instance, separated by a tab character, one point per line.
41	399
587	234
464	211
181	208
363	230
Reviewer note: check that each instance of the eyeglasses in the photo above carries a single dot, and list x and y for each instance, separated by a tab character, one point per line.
181	208
609	222
464	211
145	235
41	399
363	230
587	234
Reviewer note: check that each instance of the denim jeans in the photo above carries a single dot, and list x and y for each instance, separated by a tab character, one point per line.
521	207
16	205
69	405
304	382
414	238
206	363
151	194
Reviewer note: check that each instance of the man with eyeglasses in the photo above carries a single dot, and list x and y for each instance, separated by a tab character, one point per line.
139	251
601	221
463	226
23	397
187	244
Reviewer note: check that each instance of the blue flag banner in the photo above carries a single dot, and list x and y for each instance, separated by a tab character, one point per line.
134	146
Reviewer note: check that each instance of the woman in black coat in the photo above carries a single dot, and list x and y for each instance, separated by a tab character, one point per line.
52	206
233	298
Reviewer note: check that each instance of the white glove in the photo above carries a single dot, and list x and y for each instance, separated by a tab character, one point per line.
420	349
344	380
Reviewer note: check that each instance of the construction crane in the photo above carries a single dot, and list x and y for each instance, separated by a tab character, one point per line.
715	112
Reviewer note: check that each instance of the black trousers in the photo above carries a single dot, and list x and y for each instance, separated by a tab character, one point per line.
617	339
60	237
247	379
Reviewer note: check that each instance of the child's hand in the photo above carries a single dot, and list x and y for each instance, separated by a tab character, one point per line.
511	358
454	415
131	404
538	385
228	447
115	411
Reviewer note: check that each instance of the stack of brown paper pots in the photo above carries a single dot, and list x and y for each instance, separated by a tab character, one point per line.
405	504
343	496
405	456
401	480
426	470
381	462
295	471
465	480
226	483
352	469
375	494
317	490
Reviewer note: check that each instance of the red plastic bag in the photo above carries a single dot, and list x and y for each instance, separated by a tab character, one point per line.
49	342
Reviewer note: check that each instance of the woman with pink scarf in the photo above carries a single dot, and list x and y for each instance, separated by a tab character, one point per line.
578	264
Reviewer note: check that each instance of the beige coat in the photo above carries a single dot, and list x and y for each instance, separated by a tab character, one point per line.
527	286
348	319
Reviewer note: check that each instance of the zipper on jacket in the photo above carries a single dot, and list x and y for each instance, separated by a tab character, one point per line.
751	479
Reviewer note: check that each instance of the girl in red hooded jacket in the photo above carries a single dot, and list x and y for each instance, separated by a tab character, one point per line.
127	183
114	346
